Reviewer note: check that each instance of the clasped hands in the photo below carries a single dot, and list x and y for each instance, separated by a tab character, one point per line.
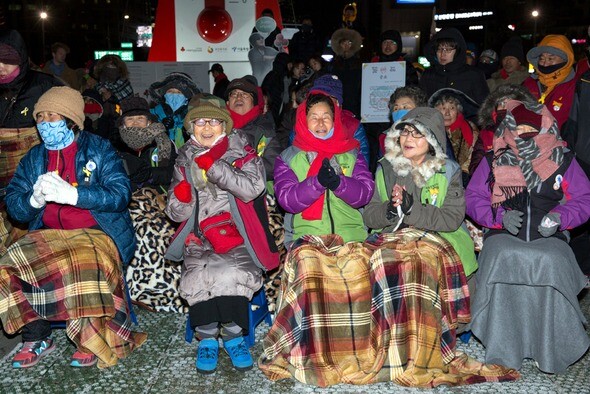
399	198
50	187
327	176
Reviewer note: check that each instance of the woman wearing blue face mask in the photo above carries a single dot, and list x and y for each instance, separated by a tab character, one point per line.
72	188
322	179
402	101
172	95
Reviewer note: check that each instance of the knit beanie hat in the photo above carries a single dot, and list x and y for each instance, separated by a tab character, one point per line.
490	54
523	116
244	84
513	47
9	55
64	101
328	84
176	80
208	107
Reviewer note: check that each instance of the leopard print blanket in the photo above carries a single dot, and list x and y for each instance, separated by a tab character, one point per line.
153	280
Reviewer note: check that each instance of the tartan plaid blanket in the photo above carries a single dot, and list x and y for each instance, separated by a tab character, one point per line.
14	143
71	275
383	310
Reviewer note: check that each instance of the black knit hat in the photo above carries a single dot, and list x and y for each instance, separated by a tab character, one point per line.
392	35
513	47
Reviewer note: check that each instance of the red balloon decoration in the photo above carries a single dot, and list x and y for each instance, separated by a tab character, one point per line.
214	25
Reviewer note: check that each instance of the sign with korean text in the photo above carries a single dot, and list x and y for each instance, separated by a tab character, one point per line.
379	81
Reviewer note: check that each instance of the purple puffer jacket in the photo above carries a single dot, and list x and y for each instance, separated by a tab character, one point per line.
294	196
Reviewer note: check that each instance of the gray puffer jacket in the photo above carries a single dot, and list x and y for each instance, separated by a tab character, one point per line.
206	274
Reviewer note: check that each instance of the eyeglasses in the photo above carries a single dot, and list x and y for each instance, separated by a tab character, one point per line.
235	94
202	122
445	49
406	131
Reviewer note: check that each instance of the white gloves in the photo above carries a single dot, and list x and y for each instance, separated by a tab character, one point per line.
52	188
37	199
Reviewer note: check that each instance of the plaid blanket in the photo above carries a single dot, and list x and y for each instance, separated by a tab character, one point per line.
72	275
14	143
384	310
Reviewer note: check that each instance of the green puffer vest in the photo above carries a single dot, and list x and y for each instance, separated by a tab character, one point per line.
337	216
434	192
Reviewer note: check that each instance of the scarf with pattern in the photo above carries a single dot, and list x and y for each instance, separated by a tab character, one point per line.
520	165
138	138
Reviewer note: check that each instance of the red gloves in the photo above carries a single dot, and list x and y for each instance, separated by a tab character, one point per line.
182	191
205	161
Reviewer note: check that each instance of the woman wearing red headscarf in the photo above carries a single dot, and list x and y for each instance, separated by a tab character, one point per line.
323	179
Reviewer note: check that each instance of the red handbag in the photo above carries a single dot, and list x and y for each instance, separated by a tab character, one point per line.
221	232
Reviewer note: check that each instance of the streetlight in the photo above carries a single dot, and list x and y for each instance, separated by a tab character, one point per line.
43	16
535	15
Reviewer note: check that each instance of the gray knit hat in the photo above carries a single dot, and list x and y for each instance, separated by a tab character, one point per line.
62	100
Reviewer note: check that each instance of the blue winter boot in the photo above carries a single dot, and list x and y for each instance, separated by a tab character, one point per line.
207	354
239	353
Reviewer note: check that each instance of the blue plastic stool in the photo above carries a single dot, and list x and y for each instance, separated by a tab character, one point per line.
255	317
465	337
62	324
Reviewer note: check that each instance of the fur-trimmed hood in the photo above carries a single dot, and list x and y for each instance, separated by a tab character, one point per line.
429	122
346	34
503	92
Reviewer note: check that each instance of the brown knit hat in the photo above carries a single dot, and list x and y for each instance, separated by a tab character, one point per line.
209	108
62	100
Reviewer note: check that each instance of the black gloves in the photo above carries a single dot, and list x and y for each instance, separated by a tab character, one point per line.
168	122
405	202
327	177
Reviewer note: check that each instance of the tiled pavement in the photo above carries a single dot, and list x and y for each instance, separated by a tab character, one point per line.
165	364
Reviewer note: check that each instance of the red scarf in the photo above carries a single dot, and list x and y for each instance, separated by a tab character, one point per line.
306	141
466	132
242	120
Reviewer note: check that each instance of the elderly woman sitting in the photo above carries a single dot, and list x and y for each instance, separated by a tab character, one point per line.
73	192
528	193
